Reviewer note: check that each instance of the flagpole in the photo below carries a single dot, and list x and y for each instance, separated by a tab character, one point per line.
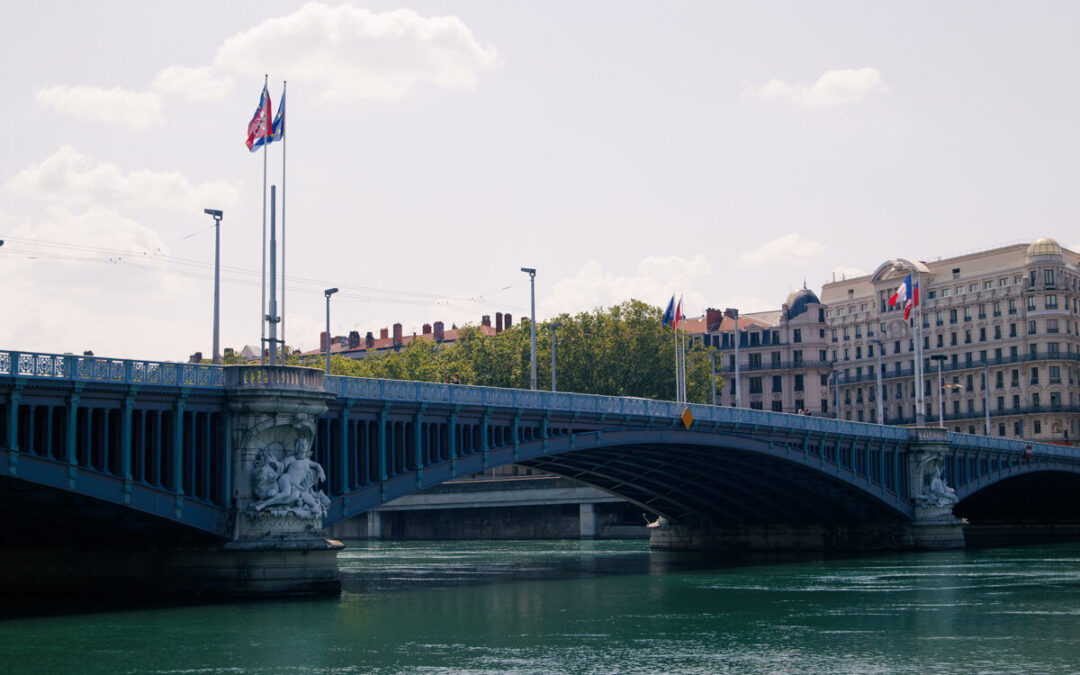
284	84
920	395
675	335
262	305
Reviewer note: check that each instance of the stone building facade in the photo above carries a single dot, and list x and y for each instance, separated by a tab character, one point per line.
783	355
1002	324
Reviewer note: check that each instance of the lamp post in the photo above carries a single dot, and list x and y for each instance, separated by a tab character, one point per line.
733	313
328	292
531	271
217	280
553	326
880	395
940	398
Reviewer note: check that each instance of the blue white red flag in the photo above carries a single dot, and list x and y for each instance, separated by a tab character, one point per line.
259	128
906	295
679	316
669	313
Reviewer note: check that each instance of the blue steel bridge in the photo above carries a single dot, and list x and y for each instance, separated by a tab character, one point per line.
141	446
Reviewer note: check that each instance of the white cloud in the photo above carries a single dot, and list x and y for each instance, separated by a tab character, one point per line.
790	250
64	177
195	84
833	88
656	278
353	54
134	109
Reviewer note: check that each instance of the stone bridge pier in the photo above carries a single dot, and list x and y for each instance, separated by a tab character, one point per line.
277	544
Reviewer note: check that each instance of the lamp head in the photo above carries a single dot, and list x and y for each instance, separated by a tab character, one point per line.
213	212
531	271
330	291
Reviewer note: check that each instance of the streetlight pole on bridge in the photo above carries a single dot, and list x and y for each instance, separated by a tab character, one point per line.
531	271
216	214
734	314
328	292
880	395
554	325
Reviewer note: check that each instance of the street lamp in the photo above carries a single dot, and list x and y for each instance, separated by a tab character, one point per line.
880	395
217	280
734	314
532	325
328	292
553	326
941	398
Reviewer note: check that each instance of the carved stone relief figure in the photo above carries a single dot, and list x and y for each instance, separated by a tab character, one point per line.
934	492
288	485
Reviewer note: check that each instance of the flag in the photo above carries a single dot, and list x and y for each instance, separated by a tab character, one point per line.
669	313
259	129
278	131
679	316
907	295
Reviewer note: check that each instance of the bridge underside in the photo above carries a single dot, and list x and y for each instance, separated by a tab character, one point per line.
45	517
1036	507
692	485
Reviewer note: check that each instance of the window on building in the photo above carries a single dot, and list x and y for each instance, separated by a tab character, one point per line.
798	383
1003	281
755	385
932	295
1048	277
755	360
1033	349
778	406
1012	305
940	340
775	359
1001	430
945	292
777	384
1012	330
797	335
1015	382
997	309
1031	303
1051	301
952	338
896	347
1000	381
1037	425
952	316
1035	376
988	284
1051	325
756	405
1032	327
982	335
824	380
967	337
982	311
1053	348
997	332
1055	375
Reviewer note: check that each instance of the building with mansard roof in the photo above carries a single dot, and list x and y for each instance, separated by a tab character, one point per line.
1002	325
783	355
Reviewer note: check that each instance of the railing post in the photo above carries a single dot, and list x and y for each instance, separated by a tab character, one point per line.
484	434
383	414
452	441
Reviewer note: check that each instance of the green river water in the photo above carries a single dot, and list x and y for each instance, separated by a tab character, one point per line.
608	606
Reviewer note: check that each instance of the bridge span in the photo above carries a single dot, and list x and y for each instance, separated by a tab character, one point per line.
179	461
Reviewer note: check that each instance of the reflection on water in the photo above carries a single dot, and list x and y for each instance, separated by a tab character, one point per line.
602	607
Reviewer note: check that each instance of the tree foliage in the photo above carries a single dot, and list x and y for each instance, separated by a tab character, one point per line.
621	351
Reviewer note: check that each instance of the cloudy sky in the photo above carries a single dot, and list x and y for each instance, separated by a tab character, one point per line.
727	151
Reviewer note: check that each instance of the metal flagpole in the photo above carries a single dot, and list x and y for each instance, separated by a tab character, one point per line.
281	107
262	305
675	335
920	402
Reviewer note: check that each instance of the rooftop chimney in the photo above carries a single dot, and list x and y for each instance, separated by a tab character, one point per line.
427	329
397	335
384	333
354	339
369	341
485	320
439	334
508	321
498	322
713	317
322	341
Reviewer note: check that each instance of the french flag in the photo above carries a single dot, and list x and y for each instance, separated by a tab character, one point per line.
907	295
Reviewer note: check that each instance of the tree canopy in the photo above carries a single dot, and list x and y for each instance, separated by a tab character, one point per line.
620	351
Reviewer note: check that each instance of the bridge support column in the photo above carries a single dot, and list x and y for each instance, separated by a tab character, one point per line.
934	525
590	526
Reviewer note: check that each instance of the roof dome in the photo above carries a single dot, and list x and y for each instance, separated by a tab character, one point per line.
798	300
1043	246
